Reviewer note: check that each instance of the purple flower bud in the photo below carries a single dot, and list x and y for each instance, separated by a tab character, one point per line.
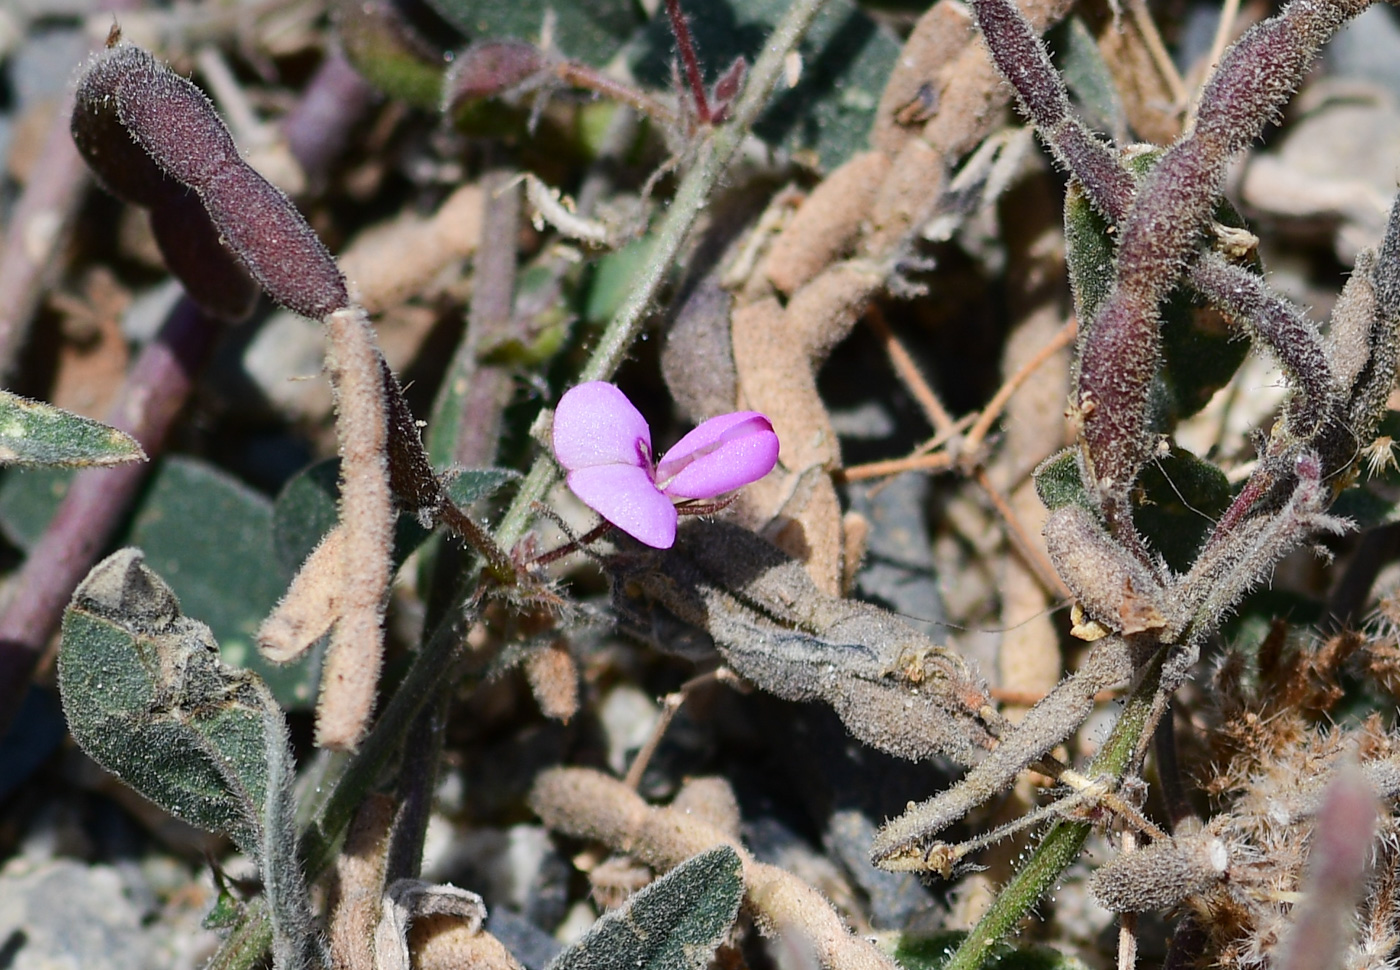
604	444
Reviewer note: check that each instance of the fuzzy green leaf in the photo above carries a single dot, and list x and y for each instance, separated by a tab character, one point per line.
612	279
29	497
1200	352
1087	75
1182	497
147	698
388	53
1059	483
673	924
35	433
1088	256
212	536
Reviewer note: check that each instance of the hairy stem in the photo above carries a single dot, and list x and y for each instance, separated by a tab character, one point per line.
1062	844
713	156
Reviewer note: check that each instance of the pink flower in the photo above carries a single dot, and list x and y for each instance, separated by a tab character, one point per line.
604	444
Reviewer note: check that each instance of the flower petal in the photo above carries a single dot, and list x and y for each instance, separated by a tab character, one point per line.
722	454
595	424
626	497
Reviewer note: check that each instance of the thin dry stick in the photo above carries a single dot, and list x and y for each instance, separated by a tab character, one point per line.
1029	551
973	442
981	423
37	228
670	707
939	462
1127	922
40	222
908	372
1224	30
1142	19
1229	13
918	459
940	439
247	128
967	463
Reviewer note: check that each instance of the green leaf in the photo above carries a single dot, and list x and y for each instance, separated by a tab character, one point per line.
308	508
473	484
35	433
592	32
389	53
1089	256
1200	350
673	924
304	511
29	497
148	698
1058	482
1200	353
211	535
612	279
1368	507
1181	499
1087	75
846	60
208	532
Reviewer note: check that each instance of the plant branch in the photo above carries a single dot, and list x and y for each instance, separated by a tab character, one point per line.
1062	844
712	157
154	393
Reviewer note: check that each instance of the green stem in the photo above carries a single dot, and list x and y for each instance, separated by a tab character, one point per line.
427	675
438	654
711	159
1063	843
248	943
423	682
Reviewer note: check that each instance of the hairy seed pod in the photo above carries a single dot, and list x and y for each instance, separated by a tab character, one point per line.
153	138
1111	585
1160	875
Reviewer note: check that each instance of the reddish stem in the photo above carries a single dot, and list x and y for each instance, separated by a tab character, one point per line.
318	128
689	62
155	391
40	224
573	545
1253	490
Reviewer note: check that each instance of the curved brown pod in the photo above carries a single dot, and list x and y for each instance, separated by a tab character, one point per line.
1111	586
153	138
262	227
120	164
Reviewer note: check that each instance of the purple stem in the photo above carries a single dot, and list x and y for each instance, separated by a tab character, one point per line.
40	225
37	230
476	392
1322	922
1163	225
689	61
152	396
318	128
